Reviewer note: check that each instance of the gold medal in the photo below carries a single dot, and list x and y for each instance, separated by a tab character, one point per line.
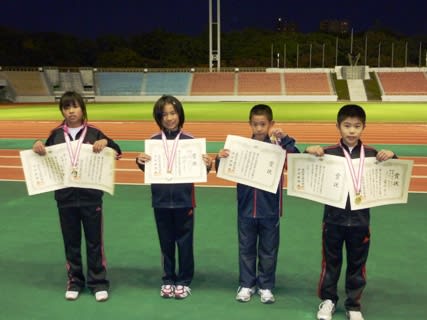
358	198
74	174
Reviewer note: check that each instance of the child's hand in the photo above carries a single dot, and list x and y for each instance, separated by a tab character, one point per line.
39	148
315	150
383	155
276	134
142	158
99	145
207	160
223	153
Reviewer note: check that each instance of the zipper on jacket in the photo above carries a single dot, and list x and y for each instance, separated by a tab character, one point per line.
254	208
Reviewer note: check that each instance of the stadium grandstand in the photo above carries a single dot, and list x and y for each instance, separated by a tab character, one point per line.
46	84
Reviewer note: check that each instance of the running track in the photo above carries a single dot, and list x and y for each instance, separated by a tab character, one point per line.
128	173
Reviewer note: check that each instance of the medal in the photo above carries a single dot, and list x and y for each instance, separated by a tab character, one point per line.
170	155
357	180
74	154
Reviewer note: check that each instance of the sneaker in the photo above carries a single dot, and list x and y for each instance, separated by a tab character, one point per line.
326	310
266	296
244	294
182	292
354	315
167	291
101	296
71	295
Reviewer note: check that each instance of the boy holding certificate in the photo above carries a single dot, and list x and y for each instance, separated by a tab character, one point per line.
345	225
173	203
259	214
80	206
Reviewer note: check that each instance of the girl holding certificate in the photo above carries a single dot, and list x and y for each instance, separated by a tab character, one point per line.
173	203
346	226
80	206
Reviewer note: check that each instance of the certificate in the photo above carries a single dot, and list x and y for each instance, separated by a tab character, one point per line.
254	163
187	167
320	179
327	180
53	171
383	183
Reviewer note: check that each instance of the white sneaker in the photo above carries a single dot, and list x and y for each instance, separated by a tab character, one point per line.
244	294
182	292
266	296
326	310
167	291
71	295
101	295
354	315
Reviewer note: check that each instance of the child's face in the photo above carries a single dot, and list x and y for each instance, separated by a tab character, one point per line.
73	115
260	126
170	118
351	129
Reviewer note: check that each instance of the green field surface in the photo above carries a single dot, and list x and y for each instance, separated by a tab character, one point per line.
225	111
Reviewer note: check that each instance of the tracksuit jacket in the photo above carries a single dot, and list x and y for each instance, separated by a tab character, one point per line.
256	203
176	195
76	197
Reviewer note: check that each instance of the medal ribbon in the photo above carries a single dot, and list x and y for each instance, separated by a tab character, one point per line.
74	156
170	156
357	180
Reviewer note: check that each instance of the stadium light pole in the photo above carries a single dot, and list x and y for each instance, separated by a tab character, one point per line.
215	53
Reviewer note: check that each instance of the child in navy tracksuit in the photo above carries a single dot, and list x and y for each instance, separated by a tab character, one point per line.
173	205
259	216
345	226
80	206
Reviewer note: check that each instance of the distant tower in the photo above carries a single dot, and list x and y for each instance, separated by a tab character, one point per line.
215	46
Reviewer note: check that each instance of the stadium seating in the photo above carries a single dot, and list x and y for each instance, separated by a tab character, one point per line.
403	83
259	83
119	83
112	85
307	84
175	83
214	83
27	83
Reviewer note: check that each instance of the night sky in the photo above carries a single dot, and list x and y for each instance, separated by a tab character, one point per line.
91	19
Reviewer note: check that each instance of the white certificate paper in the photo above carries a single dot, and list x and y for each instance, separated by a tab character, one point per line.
328	180
320	179
254	163
383	183
53	170
188	165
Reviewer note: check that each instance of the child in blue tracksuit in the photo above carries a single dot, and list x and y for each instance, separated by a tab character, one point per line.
173	205
259	216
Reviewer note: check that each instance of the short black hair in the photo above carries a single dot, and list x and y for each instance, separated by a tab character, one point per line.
351	111
159	106
72	98
261	109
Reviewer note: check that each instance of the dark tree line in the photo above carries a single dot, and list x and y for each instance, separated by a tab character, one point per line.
247	48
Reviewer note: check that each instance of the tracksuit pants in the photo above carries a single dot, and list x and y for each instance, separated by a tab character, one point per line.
175	228
72	219
356	240
258	239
